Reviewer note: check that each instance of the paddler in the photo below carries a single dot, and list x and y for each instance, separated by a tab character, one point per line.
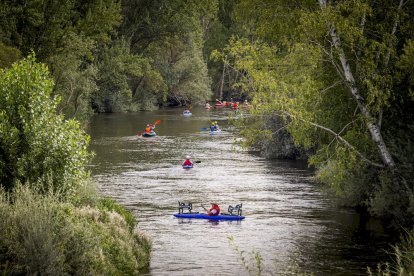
214	210
187	161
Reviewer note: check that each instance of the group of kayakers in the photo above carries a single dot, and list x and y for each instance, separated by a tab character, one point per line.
231	103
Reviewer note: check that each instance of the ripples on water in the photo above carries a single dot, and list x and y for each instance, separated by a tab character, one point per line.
287	219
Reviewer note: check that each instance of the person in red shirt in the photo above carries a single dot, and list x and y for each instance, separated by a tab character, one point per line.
187	161
214	210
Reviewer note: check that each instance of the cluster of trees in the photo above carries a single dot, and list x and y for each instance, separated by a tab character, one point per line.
339	74
113	56
52	220
336	77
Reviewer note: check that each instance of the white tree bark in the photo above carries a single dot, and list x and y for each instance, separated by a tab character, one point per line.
350	81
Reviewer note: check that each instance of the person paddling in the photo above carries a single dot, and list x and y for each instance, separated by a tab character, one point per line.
187	162
150	128
214	210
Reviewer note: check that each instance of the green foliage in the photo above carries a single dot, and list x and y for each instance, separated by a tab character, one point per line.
289	67
75	75
171	35
183	69
41	235
8	55
37	146
65	36
109	205
116	65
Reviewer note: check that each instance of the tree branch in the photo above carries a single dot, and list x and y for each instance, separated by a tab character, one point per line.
339	138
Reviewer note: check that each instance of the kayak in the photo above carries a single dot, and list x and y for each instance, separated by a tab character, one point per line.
205	216
187	114
215	131
151	134
187	166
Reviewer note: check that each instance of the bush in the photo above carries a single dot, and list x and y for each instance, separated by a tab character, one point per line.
41	235
37	145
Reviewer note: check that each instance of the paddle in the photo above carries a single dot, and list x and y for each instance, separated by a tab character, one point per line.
202	205
139	134
198	161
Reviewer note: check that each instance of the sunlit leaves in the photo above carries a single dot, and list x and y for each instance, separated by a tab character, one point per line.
36	145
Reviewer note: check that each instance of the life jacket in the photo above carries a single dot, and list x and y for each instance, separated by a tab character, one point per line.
147	129
187	162
217	210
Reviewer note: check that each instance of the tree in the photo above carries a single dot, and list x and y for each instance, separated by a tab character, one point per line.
331	71
37	146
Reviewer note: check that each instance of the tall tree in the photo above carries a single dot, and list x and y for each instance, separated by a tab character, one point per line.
332	71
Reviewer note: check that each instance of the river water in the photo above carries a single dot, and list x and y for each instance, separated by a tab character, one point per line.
289	221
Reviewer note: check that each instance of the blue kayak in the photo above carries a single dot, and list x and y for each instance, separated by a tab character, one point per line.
205	216
187	167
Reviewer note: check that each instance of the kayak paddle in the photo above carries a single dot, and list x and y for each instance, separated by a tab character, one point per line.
157	122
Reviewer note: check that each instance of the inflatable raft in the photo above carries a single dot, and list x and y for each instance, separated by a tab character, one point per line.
205	216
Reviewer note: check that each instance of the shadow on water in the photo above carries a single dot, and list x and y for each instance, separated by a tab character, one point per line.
287	216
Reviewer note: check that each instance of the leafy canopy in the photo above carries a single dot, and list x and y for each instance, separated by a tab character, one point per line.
37	146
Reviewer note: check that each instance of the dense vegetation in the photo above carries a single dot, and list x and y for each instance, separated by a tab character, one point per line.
113	56
52	221
334	78
338	75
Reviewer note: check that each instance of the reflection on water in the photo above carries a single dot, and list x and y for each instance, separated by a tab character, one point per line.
287	218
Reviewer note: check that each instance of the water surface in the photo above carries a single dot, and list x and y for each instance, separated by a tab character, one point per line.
288	219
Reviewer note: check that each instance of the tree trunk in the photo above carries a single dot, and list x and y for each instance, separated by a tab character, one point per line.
222	81
369	119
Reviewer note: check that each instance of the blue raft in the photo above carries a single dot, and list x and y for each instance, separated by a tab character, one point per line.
205	216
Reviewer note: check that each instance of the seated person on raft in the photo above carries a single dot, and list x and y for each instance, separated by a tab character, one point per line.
214	210
187	161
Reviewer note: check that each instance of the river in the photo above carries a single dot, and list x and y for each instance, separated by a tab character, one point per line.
289	221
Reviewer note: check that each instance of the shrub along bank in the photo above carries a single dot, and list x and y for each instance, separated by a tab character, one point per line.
52	220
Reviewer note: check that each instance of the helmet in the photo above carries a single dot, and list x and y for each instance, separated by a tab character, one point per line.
187	157
148	125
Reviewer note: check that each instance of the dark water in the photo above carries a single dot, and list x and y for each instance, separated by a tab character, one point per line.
288	220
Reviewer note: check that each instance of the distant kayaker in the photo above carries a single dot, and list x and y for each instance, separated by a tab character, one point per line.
207	106
214	210
187	161
214	126
150	128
